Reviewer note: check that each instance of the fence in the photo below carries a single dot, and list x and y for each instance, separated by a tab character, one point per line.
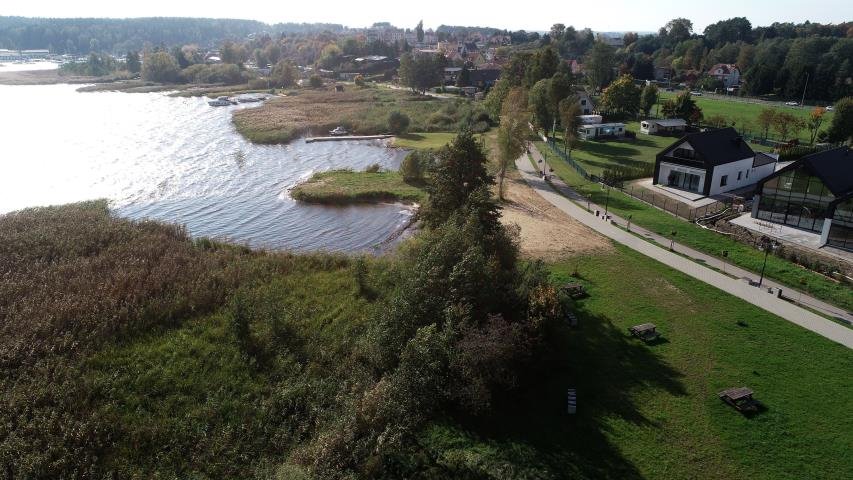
568	158
673	206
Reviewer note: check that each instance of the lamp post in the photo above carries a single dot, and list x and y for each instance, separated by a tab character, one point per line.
607	200
766	244
629	222
672	240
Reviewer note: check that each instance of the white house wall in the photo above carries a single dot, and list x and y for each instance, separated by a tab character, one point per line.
732	169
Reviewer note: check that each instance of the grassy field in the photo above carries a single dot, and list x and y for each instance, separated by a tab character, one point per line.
130	350
651	411
363	111
423	141
595	156
347	186
703	240
745	114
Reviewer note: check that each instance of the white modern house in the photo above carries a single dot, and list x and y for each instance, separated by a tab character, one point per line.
599	130
711	162
668	126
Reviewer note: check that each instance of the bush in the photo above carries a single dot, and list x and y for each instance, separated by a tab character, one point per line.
480	127
415	165
359	80
316	81
398	122
374	168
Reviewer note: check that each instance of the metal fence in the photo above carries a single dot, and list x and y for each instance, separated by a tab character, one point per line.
673	206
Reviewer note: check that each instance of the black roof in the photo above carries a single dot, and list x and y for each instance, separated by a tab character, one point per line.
834	168
716	147
485	76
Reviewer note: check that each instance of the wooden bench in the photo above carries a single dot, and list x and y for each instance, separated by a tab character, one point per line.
740	398
574	290
647	332
572	401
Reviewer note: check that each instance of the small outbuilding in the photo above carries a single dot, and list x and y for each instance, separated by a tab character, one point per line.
667	126
601	130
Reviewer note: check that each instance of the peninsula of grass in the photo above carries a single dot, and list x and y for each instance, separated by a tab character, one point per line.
342	187
361	110
691	235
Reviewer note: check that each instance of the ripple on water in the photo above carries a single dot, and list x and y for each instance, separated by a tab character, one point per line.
179	160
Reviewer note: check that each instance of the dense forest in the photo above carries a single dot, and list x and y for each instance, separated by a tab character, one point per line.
79	36
782	59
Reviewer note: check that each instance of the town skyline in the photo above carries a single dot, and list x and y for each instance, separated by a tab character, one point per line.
624	16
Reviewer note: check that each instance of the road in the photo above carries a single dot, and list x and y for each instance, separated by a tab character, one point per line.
734	286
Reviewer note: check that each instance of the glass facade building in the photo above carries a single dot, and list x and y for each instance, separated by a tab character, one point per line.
795	198
841	231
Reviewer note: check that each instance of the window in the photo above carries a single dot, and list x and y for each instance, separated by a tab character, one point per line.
724	180
739	174
747	173
583	102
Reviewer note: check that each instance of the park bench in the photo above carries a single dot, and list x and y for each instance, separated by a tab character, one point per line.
647	332
574	290
740	398
572	401
571	319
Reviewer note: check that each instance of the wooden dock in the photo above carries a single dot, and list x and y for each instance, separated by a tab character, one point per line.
346	137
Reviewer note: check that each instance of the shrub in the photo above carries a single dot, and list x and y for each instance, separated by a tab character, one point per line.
359	80
480	127
398	122
374	168
415	165
316	81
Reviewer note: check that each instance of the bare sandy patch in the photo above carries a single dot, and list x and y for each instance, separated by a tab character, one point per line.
546	232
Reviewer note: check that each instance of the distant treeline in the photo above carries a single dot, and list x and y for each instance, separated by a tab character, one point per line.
79	36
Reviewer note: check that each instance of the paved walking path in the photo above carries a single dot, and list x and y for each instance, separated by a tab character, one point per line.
733	286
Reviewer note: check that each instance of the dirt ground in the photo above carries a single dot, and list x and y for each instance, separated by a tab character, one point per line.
546	232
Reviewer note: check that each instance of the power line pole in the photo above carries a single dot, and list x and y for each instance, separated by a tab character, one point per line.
803	101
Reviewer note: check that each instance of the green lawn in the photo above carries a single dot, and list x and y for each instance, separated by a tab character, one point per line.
745	114
651	411
703	240
423	141
347	186
596	156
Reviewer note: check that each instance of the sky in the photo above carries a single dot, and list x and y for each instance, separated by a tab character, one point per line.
607	16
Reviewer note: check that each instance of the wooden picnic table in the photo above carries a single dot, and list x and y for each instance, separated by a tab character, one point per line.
574	290
740	398
645	331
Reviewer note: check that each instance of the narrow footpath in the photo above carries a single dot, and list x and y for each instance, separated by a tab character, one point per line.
734	286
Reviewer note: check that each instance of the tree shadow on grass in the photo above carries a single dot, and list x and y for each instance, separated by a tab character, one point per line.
606	367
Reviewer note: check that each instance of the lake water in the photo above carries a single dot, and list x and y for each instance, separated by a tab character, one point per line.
180	160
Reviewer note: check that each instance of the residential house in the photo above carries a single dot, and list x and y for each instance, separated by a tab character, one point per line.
711	162
663	74
575	66
814	193
587	106
484	79
601	130
727	73
668	126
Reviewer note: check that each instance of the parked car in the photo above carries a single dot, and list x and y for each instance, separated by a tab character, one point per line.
792	104
696	94
829	108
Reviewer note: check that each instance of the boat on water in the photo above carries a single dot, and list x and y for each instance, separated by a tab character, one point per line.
338	131
221	102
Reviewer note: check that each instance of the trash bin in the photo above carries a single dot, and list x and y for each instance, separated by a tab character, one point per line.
597	212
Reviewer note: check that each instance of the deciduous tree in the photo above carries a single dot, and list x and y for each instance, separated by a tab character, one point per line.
649	98
513	132
622	97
